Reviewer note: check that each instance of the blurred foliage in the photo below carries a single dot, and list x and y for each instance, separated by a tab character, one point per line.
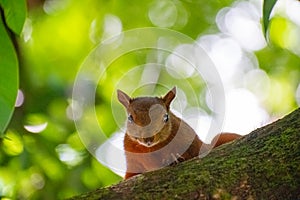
41	156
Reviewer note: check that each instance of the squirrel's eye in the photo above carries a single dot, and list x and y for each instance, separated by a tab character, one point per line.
130	118
166	117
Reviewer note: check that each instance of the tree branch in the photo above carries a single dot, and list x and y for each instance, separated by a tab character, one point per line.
264	164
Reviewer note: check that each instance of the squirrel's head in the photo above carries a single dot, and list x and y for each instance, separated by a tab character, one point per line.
148	120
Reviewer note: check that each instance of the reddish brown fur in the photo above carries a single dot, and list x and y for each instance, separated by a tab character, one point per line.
169	142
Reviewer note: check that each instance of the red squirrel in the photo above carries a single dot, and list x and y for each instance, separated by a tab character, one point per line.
155	137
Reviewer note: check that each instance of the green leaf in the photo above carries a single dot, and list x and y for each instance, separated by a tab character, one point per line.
15	12
9	78
267	9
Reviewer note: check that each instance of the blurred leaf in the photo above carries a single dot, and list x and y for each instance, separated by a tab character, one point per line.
267	9
8	78
15	14
88	178
75	142
279	29
13	145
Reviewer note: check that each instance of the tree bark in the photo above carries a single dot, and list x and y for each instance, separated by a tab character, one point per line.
264	164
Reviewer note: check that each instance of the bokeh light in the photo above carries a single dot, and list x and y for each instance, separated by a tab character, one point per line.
182	67
36	128
20	98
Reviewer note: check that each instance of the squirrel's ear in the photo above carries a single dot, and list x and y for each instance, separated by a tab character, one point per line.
169	97
123	98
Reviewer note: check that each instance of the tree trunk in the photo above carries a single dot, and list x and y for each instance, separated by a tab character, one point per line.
264	164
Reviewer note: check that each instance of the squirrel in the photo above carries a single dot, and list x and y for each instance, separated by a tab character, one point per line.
155	137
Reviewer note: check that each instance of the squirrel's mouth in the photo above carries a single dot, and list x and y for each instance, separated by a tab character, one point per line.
147	142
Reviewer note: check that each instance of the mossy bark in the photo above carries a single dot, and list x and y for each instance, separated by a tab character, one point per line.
264	164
